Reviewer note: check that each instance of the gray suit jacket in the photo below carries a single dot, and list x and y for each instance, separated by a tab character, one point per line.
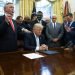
52	32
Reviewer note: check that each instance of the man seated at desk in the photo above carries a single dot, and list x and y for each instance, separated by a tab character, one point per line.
35	41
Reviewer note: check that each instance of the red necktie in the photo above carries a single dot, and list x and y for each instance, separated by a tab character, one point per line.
12	25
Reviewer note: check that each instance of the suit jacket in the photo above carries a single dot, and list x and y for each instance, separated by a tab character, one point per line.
8	38
30	41
26	25
70	36
52	32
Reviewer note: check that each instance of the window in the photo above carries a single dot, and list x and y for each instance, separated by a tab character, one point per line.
44	6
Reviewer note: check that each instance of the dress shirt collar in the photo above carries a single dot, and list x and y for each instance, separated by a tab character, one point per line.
53	23
36	36
8	15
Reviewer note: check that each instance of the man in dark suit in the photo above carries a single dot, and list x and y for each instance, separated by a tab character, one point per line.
65	22
54	32
70	29
8	35
39	19
34	40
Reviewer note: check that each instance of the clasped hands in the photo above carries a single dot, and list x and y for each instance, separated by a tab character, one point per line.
68	29
43	47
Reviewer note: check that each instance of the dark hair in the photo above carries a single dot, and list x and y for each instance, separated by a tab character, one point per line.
40	12
18	17
70	14
33	14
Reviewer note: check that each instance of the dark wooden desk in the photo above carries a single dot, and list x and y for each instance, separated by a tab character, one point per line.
16	64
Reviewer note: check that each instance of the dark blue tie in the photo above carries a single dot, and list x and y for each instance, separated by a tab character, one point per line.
54	25
69	23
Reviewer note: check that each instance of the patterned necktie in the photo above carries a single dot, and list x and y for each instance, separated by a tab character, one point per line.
12	25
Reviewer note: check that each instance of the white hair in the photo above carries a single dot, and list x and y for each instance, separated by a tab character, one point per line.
38	25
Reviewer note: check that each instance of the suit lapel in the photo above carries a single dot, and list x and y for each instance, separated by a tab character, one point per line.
34	39
40	40
51	26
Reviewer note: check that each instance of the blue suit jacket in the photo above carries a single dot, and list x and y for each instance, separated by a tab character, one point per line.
8	38
30	41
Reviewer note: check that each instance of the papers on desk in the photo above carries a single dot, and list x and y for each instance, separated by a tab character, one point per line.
33	55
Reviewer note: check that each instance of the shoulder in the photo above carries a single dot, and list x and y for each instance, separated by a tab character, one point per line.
58	23
29	35
43	22
73	24
2	17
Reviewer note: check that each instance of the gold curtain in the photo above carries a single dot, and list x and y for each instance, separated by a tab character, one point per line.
26	7
58	9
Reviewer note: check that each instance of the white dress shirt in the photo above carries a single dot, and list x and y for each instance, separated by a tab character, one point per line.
37	42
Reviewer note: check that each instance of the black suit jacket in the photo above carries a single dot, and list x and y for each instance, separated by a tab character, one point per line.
8	38
30	41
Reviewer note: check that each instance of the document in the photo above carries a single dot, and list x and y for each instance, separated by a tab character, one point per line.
33	55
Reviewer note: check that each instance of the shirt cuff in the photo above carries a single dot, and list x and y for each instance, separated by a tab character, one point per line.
37	48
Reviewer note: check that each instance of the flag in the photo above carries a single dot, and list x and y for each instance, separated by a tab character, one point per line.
66	8
34	7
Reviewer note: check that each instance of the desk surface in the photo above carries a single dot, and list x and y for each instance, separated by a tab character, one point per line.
16	64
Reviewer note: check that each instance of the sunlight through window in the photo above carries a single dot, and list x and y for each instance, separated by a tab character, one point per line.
43	6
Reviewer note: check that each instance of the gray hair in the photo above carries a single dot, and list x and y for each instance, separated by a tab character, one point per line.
7	4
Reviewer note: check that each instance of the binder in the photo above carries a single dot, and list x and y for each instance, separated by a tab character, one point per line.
49	52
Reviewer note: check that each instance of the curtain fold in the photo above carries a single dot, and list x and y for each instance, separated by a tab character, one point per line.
26	7
58	10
